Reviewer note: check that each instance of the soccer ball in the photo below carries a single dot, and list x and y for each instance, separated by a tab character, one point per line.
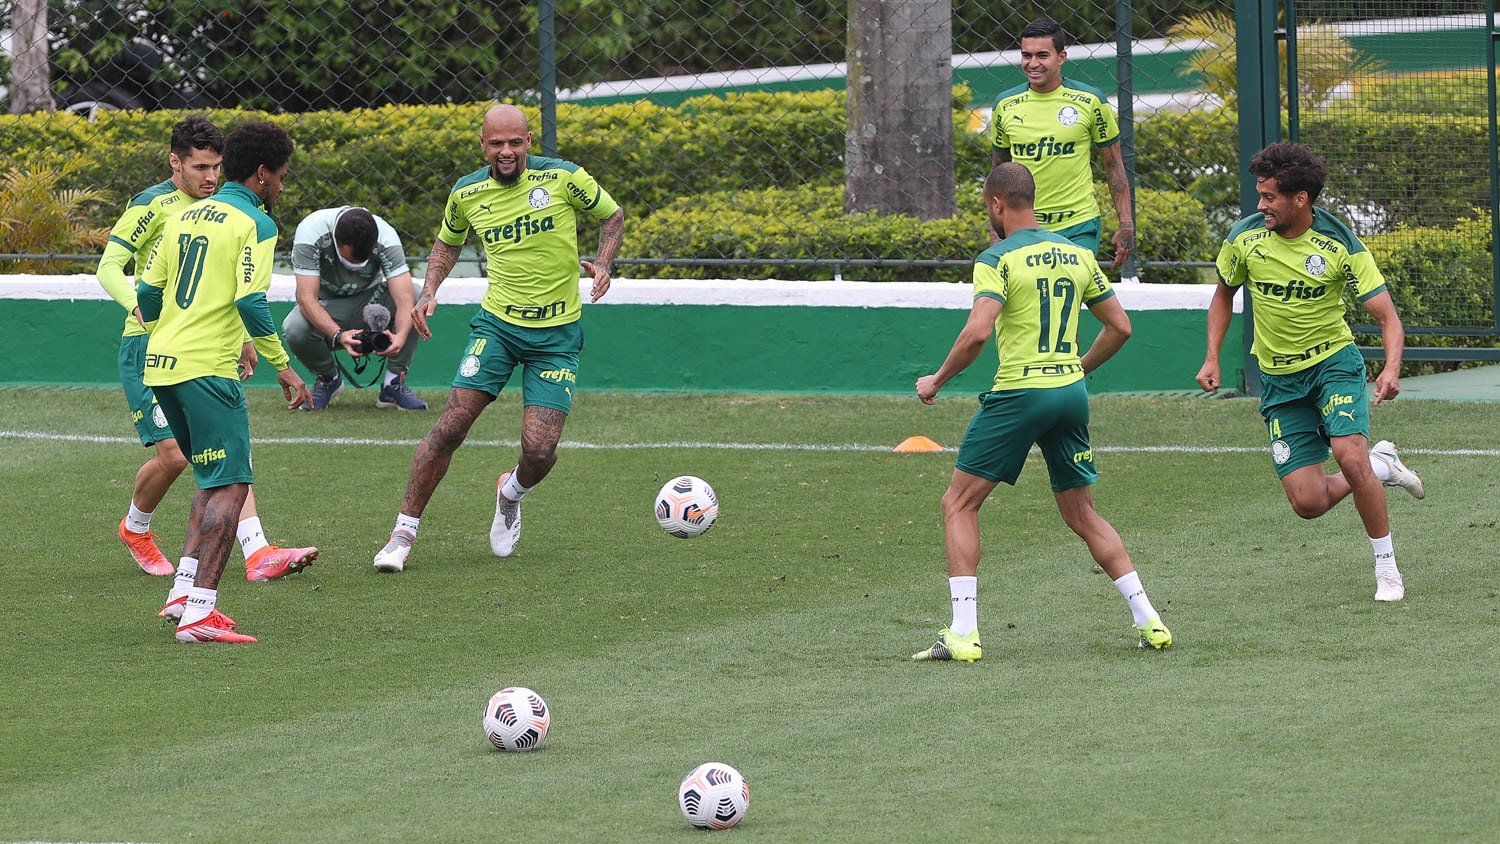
686	507
713	796
516	719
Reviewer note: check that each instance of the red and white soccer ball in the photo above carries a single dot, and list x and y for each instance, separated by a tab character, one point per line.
686	507
713	796
516	719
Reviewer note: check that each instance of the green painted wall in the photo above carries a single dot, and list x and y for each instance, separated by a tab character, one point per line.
682	347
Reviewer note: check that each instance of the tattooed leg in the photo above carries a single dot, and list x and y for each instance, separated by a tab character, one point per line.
211	530
435	452
541	429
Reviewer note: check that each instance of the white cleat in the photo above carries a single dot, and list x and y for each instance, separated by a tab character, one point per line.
1388	587
392	558
1385	452
505	530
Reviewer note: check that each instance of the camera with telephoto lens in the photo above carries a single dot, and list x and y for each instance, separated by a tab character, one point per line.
372	339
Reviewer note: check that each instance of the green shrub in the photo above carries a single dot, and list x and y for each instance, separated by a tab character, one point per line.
1439	276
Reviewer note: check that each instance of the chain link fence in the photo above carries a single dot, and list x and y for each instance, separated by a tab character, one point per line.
723	127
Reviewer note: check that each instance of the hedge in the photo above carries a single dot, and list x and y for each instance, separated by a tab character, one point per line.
808	222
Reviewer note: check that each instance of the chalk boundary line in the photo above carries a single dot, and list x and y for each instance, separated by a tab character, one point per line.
837	448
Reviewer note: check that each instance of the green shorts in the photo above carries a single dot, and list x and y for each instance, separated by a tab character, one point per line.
1085	234
212	425
150	423
549	357
1007	423
1304	410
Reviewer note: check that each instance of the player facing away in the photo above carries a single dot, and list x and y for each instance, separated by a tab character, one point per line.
1297	261
1027	290
203	289
197	151
524	210
1049	125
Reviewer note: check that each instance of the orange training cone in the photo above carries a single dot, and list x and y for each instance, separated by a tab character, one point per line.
917	444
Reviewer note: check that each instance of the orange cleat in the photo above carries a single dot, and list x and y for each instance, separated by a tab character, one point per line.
142	547
216	627
274	561
173	611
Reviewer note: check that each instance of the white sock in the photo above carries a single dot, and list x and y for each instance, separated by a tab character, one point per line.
200	603
252	538
137	521
408	523
389	377
965	592
1385	555
187	570
1382	469
512	488
1135	595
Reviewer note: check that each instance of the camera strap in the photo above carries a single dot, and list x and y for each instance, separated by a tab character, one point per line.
360	365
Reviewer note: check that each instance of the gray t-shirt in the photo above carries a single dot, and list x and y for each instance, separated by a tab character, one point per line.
313	254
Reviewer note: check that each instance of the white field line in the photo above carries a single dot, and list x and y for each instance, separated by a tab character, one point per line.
50	436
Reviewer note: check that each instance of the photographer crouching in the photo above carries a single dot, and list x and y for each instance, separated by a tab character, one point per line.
354	292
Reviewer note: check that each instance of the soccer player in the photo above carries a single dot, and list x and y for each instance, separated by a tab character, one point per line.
1297	261
203	289
524	209
1027	290
345	259
197	149
1049	125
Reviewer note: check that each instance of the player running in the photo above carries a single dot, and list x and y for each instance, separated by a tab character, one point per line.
1027	290
203	289
1297	261
197	149
524	209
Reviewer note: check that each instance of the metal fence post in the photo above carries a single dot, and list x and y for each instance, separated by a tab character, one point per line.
1125	88
547	47
1494	35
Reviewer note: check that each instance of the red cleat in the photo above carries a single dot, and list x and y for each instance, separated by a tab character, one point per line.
216	627
173	610
274	561
143	550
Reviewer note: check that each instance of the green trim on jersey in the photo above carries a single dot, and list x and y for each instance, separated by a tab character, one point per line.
210	257
1042	279
1051	135
529	233
1296	287
131	239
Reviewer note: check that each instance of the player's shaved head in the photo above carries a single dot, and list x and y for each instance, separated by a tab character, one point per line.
1012	184
505	118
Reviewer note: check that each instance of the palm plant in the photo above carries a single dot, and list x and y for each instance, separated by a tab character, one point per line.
37	217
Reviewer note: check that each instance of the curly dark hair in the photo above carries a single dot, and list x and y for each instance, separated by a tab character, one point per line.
1047	28
252	144
356	228
1295	167
195	132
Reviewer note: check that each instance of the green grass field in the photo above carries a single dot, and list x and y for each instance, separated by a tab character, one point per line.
1293	708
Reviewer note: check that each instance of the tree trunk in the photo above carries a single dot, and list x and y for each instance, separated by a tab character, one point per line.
898	139
30	81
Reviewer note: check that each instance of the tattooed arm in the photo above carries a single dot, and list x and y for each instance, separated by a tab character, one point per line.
439	264
611	233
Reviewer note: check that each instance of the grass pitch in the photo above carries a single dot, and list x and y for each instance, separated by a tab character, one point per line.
1292	707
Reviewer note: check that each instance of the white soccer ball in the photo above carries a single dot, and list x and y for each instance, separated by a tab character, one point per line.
516	719
713	796
686	507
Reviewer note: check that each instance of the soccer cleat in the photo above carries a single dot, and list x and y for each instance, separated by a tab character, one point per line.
173	609
392	558
1154	634
215	627
1385	452
396	394
950	645
505	530
324	389
273	561
142	547
1389	587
